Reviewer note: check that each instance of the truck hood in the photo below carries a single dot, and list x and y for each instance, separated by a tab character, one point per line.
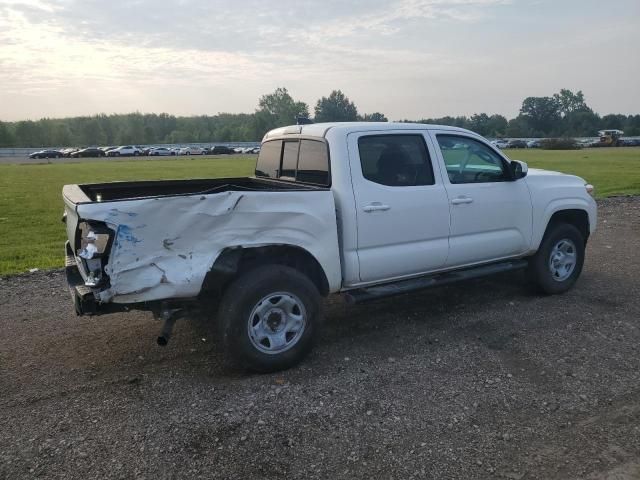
538	174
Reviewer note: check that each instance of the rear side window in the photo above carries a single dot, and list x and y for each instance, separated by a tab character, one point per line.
395	160
313	163
268	164
300	160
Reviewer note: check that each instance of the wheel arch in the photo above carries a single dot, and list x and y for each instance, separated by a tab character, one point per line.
234	261
577	217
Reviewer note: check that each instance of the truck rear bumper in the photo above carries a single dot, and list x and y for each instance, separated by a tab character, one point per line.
84	300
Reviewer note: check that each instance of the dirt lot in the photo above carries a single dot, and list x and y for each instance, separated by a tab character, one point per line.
481	380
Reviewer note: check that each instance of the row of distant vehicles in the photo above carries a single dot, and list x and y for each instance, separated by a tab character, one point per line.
137	151
606	138
503	143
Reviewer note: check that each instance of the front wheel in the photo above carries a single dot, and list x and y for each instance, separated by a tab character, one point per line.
557	264
269	317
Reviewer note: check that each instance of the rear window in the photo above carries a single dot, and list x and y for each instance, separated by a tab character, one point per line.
313	163
300	160
268	164
289	159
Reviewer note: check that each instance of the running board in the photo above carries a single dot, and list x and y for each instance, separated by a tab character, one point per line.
405	286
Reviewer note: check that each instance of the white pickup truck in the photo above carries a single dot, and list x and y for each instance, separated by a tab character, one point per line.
367	210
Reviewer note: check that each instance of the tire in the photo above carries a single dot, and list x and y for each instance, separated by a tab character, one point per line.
116	154
262	301
561	241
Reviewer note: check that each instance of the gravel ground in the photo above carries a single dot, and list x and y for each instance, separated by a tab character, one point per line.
476	380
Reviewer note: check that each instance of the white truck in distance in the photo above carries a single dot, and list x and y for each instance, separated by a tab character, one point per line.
366	210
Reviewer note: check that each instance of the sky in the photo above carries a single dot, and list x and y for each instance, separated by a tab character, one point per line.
409	59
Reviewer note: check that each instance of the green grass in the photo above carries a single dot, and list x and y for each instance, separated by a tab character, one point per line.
31	235
613	171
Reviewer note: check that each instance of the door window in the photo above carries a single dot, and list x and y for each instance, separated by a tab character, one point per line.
395	160
470	161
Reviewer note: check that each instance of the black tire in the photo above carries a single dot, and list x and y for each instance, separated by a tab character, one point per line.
241	300
539	271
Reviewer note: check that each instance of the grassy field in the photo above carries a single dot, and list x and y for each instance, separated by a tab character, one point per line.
31	235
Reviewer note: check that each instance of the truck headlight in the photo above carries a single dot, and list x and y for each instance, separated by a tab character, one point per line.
590	188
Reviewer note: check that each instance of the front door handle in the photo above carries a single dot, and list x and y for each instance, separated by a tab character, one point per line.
375	207
461	200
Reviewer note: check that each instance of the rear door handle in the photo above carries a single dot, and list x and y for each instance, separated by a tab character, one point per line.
375	207
461	200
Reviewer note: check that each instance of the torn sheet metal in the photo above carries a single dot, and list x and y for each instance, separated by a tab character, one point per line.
164	246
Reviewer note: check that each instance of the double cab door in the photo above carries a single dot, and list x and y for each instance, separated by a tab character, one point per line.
431	200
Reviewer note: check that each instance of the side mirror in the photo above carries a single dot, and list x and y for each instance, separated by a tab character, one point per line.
518	169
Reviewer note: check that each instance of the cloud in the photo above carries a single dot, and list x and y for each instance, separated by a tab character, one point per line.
410	57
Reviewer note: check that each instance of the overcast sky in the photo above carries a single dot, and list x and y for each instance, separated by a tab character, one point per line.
406	58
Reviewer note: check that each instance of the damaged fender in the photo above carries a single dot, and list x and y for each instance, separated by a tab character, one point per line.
164	246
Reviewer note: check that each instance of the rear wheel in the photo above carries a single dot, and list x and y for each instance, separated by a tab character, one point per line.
269	317
557	264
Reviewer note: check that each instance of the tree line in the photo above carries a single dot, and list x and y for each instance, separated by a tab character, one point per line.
564	114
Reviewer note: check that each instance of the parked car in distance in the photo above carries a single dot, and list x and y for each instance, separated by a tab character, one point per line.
192	150
66	152
221	150
517	144
46	154
500	143
394	208
533	144
88	152
106	149
160	152
124	151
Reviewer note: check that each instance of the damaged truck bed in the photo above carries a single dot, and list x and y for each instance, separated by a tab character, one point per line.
164	236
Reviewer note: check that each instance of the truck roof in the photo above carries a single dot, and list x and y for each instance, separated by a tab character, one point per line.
321	129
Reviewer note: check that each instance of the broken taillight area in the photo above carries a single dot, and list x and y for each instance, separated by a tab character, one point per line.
94	244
